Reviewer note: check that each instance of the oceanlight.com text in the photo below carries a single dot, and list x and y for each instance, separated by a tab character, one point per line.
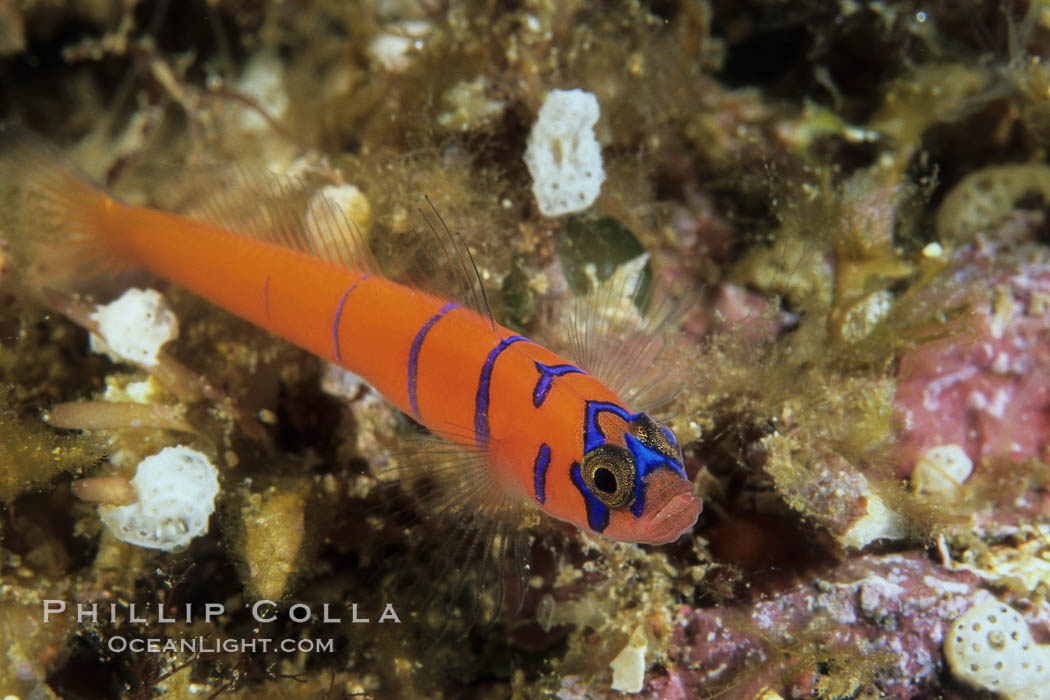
202	645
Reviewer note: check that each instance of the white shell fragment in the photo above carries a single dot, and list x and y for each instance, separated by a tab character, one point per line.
176	491
991	647
263	81
134	327
629	665
331	211
468	107
862	318
563	156
393	48
941	470
878	522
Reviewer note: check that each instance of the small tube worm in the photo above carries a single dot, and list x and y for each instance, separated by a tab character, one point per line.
111	490
112	415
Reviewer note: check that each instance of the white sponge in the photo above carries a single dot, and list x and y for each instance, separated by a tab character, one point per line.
176	491
563	157
134	327
990	647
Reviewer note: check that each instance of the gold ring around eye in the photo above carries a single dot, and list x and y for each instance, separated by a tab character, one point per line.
608	473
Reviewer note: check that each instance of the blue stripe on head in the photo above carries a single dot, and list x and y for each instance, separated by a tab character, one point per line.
482	396
547	375
413	355
592	434
539	472
597	512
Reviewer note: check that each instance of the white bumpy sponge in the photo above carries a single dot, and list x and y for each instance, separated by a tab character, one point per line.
990	647
134	327
176	491
563	157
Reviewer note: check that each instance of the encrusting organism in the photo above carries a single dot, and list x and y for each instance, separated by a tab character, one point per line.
134	327
563	156
167	503
990	647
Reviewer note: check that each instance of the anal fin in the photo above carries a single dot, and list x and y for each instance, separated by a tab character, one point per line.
469	536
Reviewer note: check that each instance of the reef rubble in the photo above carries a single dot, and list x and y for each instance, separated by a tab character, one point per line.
846	206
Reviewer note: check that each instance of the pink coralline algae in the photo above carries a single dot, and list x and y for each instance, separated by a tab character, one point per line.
879	617
986	388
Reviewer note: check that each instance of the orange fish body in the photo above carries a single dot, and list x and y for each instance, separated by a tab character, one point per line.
550	432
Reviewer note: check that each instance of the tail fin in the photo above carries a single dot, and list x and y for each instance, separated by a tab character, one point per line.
51	213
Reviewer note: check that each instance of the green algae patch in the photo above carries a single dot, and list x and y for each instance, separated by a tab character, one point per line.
32	454
519	302
603	243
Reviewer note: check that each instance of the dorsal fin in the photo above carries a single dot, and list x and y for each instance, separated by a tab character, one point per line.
290	211
284	210
450	270
618	334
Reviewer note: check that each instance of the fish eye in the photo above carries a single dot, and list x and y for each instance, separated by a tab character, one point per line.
655	436
608	473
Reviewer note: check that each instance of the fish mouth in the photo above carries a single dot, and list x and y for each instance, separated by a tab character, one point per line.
677	515
675	519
